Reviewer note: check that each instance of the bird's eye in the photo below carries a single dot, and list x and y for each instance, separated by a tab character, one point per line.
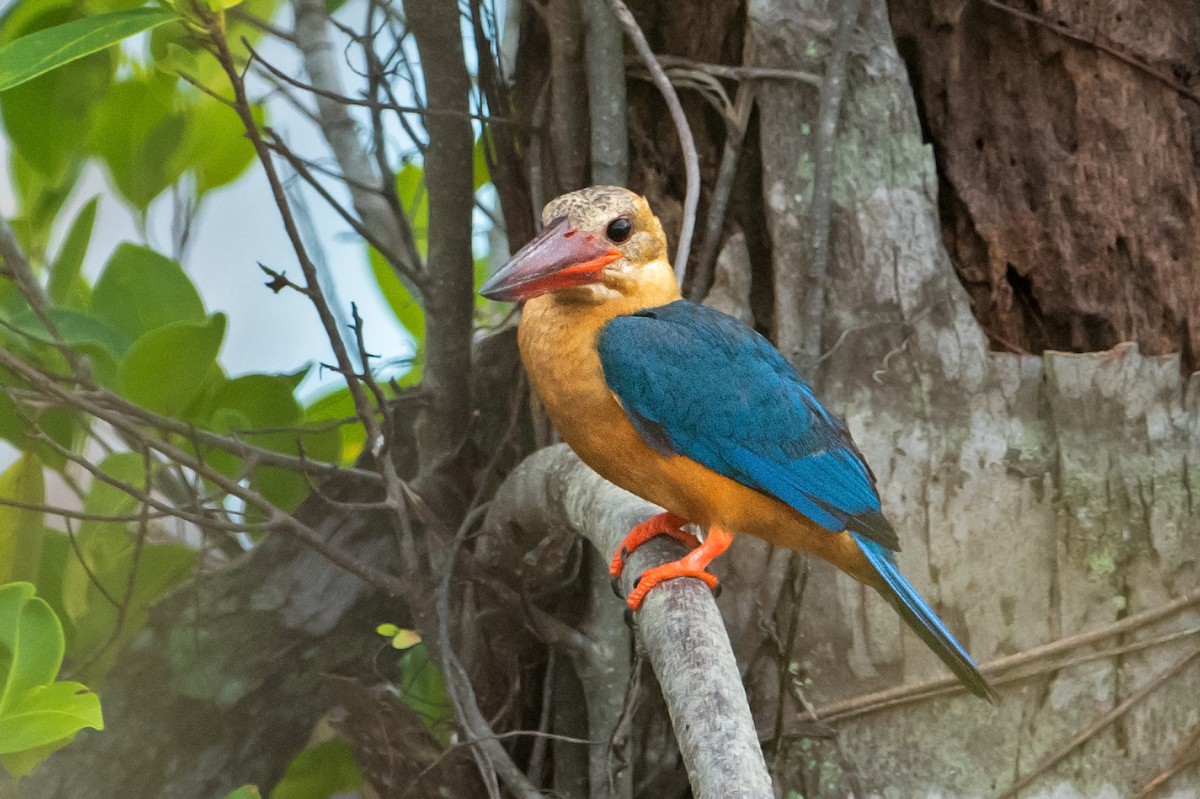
619	229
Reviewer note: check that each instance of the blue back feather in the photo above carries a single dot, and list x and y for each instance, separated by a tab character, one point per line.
698	383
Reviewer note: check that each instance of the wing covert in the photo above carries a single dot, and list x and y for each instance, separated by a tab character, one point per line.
700	384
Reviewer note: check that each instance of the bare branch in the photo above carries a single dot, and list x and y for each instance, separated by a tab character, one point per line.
606	95
691	161
799	334
679	624
449	292
735	133
312	37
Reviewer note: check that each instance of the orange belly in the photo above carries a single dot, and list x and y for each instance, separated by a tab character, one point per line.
564	368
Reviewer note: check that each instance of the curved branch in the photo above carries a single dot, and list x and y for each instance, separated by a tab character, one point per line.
313	39
691	161
679	624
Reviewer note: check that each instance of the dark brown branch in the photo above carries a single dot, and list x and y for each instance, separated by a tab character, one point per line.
449	295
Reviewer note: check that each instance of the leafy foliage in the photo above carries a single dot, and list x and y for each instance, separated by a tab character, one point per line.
319	772
39	52
108	361
37	714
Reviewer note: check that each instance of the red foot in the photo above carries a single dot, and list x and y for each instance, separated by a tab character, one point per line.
691	565
662	524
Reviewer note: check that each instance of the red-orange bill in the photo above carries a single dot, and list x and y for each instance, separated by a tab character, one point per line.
559	257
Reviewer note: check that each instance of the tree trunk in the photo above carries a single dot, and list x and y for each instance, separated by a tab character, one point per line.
1035	497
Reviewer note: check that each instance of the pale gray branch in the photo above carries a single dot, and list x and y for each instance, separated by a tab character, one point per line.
606	95
679	624
313	39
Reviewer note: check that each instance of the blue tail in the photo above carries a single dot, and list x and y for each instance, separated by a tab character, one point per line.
908	603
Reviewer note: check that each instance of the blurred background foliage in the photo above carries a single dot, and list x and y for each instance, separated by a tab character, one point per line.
152	111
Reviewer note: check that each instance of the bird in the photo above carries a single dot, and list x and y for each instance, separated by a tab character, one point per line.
693	410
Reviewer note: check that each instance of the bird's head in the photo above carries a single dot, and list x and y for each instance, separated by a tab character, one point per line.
595	244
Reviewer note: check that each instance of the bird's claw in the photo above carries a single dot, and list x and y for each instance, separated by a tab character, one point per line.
663	524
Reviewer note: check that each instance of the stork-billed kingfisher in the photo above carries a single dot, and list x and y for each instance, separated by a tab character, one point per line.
692	410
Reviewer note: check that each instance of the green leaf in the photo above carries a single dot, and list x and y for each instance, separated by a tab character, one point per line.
140	290
20	529
422	688
31	644
64	271
167	368
49	713
482	173
139	131
108	550
78	329
414	199
18	764
336	406
48	118
39	200
215	148
245	792
39	52
264	400
267	402
319	772
160	567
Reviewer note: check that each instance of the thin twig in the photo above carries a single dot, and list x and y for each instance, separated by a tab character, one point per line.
741	72
313	39
1133	61
735	132
1098	725
687	143
868	703
312	283
462	695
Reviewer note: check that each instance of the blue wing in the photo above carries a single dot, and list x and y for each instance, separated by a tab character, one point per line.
699	383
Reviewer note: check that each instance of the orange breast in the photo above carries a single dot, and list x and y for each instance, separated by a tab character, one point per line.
558	347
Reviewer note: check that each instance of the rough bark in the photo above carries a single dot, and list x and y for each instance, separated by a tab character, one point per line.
1068	177
1034	497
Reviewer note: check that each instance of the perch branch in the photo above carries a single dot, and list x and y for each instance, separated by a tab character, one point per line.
679	625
